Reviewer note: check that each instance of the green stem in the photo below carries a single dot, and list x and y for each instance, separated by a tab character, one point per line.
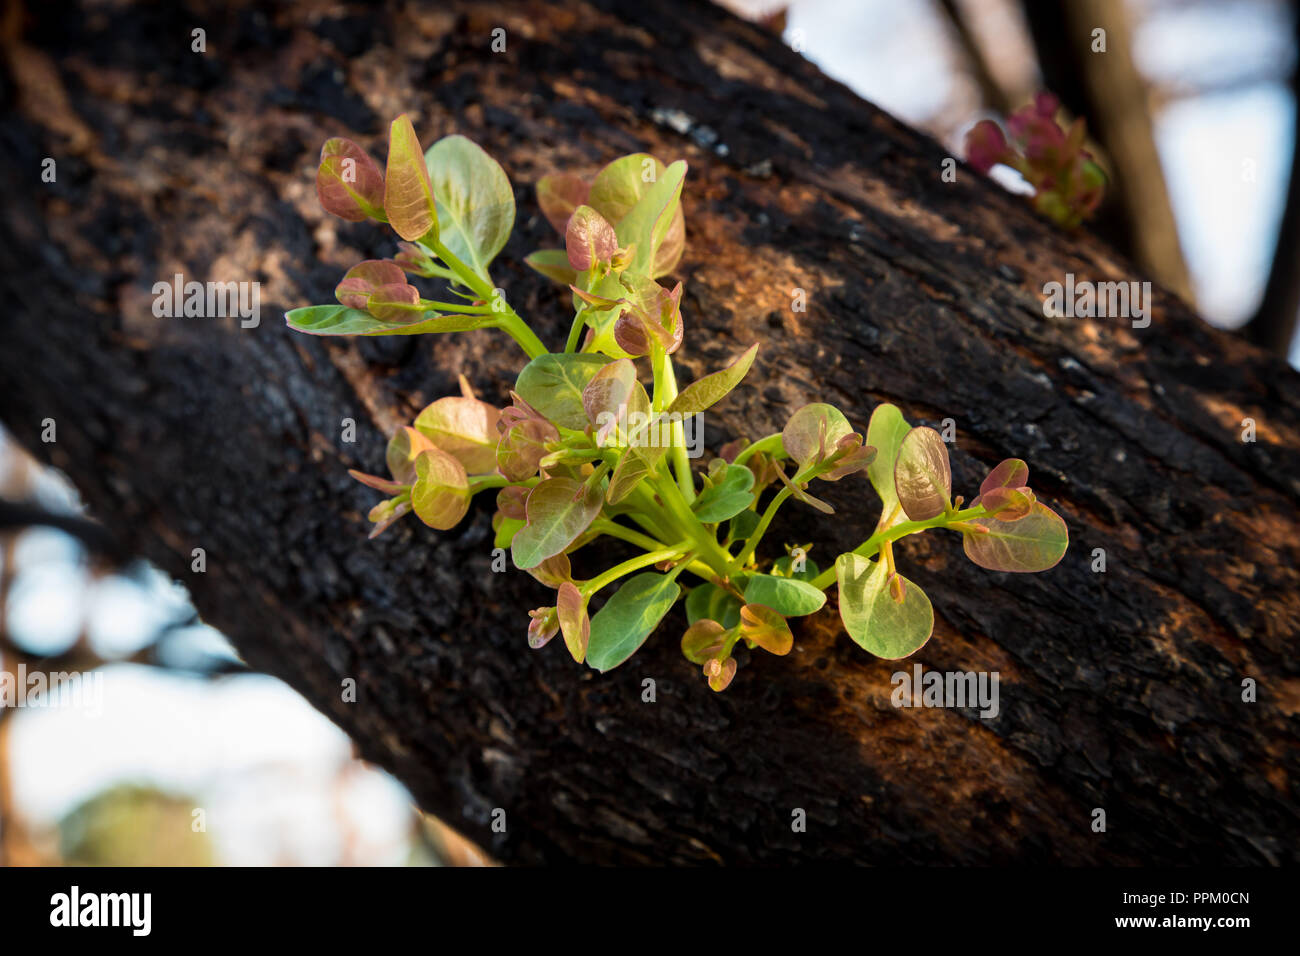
752	544
633	564
510	321
873	544
681	464
458	308
616	530
771	444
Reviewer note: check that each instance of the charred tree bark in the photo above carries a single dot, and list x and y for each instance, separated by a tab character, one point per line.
1120	690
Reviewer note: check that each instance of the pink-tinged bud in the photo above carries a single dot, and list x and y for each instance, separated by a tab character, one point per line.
544	625
379	286
986	146
349	183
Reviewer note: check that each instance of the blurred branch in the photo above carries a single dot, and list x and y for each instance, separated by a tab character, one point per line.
1273	325
990	90
1109	93
18	515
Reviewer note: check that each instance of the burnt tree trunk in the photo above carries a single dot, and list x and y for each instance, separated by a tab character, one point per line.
1120	690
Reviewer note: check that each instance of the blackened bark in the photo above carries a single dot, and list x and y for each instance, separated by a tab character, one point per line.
1119	690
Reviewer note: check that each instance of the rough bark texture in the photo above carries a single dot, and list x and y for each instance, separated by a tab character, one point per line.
1119	690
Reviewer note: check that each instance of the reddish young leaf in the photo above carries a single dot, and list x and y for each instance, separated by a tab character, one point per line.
703	640
403	448
559	194
588	239
922	474
379	286
720	673
379	484
766	628
408	194
543	624
348	182
554	571
465	428
1008	504
440	495
1012	473
574	621
510	501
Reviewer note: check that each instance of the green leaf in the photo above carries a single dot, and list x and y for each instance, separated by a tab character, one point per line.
437	322
647	224
710	601
784	566
787	596
885	432
727	498
554	264
704	392
348	182
922	474
1035	542
505	532
744	524
617	190
813	432
465	428
408	195
629	471
476	206
333	320
440	495
553	384
340	320
871	614
559	509
626	620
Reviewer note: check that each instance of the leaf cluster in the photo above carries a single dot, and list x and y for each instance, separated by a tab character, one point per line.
591	442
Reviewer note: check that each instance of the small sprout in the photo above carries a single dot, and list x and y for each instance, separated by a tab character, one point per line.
584	449
1068	185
